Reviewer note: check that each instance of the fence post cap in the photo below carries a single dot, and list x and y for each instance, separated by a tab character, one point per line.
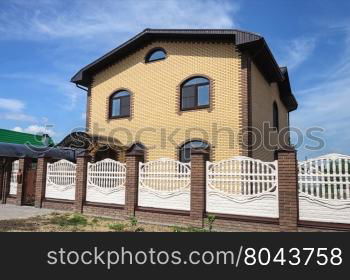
135	153
286	149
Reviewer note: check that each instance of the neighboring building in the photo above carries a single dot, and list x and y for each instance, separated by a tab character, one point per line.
15	137
161	83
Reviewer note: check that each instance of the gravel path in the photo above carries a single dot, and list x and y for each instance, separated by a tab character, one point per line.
9	212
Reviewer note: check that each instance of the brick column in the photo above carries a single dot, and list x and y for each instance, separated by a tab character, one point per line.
23	164
288	189
80	181
133	159
40	183
198	184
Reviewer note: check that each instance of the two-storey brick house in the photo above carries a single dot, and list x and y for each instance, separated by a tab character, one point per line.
171	90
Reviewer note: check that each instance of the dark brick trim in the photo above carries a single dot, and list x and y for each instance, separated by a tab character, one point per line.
88	109
324	226
104	205
255	219
163	211
56	200
246	111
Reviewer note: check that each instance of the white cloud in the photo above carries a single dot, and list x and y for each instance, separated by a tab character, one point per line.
297	51
58	84
89	19
36	129
13	105
12	109
16	117
326	104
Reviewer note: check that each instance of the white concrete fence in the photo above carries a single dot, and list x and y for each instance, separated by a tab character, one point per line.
237	186
324	189
106	182
242	186
60	180
165	183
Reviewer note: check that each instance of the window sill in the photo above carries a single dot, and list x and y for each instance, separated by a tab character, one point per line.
194	109
119	117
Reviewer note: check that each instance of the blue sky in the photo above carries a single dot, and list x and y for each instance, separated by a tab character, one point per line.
44	42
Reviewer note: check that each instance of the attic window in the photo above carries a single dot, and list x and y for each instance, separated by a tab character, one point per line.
155	55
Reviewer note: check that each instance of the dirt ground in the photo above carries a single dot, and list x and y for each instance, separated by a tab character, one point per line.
72	222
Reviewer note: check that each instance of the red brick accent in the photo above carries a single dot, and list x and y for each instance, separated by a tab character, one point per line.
23	163
58	204
198	184
105	210
245	107
288	189
80	182
133	159
40	183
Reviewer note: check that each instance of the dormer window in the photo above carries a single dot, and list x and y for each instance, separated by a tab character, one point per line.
155	55
119	104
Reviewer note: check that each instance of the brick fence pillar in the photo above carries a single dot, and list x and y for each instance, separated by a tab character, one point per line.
22	168
133	159
40	182
80	181
199	158
288	189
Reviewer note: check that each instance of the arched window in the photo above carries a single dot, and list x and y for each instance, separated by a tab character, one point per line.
119	104
195	93
155	54
275	123
185	150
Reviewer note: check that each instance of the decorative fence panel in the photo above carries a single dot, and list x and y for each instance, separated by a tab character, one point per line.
60	180
106	182
165	183
242	186
13	182
324	189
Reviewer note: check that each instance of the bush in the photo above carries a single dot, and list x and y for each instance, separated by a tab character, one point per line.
210	221
133	221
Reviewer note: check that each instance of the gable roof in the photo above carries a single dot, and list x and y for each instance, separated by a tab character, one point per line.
14	137
252	43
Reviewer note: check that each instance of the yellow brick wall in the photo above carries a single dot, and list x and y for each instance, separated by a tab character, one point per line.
155	101
263	95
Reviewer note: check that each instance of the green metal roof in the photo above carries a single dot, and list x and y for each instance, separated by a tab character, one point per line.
10	136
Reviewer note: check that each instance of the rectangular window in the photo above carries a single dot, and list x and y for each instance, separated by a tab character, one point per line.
125	106
116	108
203	95
188	97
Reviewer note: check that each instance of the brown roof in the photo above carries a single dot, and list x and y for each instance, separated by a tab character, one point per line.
249	42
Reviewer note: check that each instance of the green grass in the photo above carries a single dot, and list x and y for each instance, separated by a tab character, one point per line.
74	220
117	227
